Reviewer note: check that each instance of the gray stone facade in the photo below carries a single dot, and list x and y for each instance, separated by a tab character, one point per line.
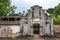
27	21
37	16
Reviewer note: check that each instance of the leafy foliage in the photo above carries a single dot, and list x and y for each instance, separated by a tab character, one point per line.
6	8
56	20
11	10
57	10
50	10
56	13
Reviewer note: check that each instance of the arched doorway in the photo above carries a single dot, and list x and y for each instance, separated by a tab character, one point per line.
36	28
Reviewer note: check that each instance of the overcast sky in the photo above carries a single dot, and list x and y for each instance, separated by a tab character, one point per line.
23	5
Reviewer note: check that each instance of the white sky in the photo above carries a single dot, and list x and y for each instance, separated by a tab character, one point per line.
23	5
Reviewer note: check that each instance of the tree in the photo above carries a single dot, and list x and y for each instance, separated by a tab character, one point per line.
11	10
50	10
56	14
6	8
57	10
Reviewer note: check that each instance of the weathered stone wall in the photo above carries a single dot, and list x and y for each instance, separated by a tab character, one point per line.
5	32
57	28
9	30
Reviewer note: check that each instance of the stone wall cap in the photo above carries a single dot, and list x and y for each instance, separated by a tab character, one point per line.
36	6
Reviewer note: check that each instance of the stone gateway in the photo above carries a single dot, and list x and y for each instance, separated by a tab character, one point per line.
35	21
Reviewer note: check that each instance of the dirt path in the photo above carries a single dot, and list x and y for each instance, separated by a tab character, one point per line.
36	37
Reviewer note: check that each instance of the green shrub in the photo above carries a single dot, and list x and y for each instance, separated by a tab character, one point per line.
56	20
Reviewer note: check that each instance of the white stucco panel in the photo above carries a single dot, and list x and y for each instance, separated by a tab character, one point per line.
15	28
37	19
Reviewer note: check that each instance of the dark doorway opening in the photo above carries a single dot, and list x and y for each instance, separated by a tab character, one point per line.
36	28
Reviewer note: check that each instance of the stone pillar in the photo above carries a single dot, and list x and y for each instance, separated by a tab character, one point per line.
42	27
48	29
26	29
8	19
41	34
31	29
52	26
41	24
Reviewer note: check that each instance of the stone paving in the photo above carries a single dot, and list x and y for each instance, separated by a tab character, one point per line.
36	37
